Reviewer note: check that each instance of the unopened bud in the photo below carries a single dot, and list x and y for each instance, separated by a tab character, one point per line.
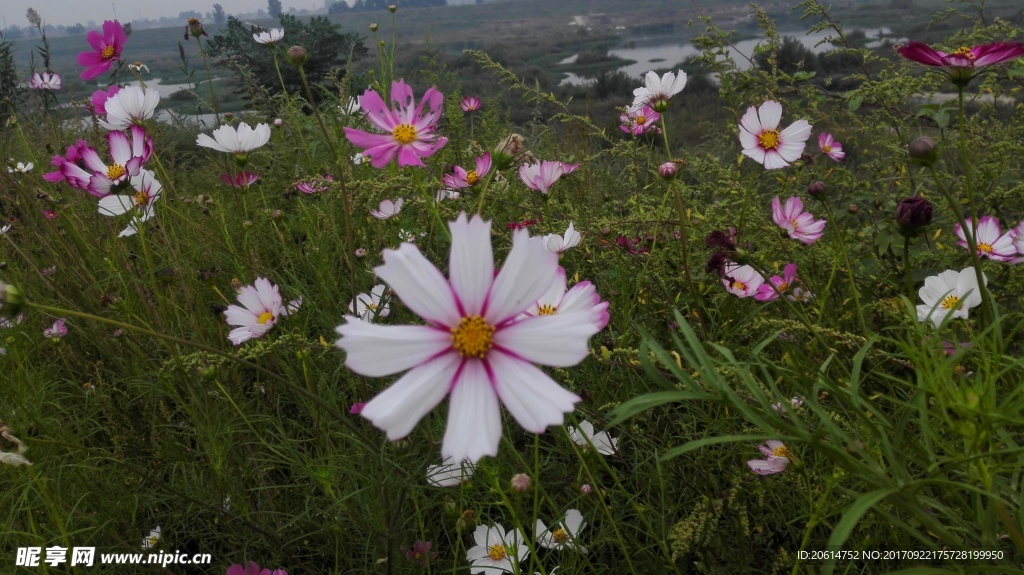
374	27
852	208
816	189
521	482
586	489
923	150
392	8
275	215
912	214
278	122
297	55
11	300
667	170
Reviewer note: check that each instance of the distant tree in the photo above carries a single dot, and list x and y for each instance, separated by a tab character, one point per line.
274	7
218	14
791	57
338	8
8	80
185	15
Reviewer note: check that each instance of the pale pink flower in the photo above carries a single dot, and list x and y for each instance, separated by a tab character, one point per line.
470	104
765	292
88	172
559	243
582	297
741	281
56	331
238	141
261	307
373	305
830	147
408	131
1017	235
776	458
131	105
270	37
657	90
46	81
543	175
990	240
243	179
473	348
388	209
638	121
450	474
800	225
460	179
762	140
315	185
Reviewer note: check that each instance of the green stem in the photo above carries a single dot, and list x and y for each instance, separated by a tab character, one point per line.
849	269
209	80
908	277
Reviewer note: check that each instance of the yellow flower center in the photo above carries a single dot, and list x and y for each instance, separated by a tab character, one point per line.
783	286
472	177
265	317
107	53
641	119
739	285
781	451
965	52
547	310
769	139
116	171
404	134
152	540
140	199
472	337
497	552
949	302
560	536
987	248
826	149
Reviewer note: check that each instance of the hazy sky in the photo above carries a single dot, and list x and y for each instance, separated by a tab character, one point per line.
68	12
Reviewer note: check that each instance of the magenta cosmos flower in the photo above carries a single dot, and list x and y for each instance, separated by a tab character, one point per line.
800	225
88	172
830	147
475	347
470	104
741	281
543	175
106	48
782	284
776	458
990	240
98	100
460	179
762	140
638	121
242	179
409	131
253	569
262	306
963	63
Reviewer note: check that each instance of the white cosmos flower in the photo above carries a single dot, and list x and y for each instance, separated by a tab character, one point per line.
13	458
269	38
241	141
3	231
150	541
602	441
657	90
582	297
496	551
140	204
388	209
139	67
764	143
262	306
950	292
131	105
21	167
559	244
371	305
472	349
449	474
565	534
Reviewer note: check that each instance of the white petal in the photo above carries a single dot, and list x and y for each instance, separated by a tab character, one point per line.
419	285
474	417
378	350
527	273
398	409
558	340
116	205
770	113
471	268
534	399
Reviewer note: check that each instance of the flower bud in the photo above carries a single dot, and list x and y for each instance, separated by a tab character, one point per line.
278	122
297	55
852	208
912	214
816	189
360	252
194	28
521	482
392	8
667	170
275	215
586	489
11	300
510	151
374	27
923	150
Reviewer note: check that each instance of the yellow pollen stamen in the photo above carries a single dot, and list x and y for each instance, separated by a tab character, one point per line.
769	139
497	552
783	286
265	317
116	171
987	248
826	149
781	451
951	301
547	309
107	53
965	52
137	64
140	199
795	226
472	337
472	177
404	134
739	285
560	536
641	119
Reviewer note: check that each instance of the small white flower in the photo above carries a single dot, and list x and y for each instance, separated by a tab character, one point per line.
5	229
387	209
448	474
292	307
262	307
151	541
21	168
444	193
351	108
131	105
565	534
558	244
241	141
796	402
950	292
602	441
13	458
496	551
269	38
371	305
657	90
140	204
139	67
359	158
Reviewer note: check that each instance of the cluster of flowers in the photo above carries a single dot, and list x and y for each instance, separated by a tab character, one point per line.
498	550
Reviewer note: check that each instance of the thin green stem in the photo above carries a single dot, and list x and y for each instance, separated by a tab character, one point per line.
908	277
209	80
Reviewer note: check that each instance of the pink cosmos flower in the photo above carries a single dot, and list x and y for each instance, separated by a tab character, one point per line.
963	63
357	408
830	147
992	243
762	140
262	306
409	131
1017	235
776	458
638	121
315	185
461	179
106	48
128	155
741	281
73	155
542	176
800	225
99	99
253	569
782	284
582	297
50	214
47	81
388	209
242	179
470	104
420	553
473	347
56	331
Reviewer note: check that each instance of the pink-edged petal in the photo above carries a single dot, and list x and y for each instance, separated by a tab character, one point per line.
790	151
535	400
474	416
398	409
750	122
238	316
558	340
526	274
471	264
768	466
798	132
378	350
748	140
419	285
770	114
756	153
250	298
773	160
